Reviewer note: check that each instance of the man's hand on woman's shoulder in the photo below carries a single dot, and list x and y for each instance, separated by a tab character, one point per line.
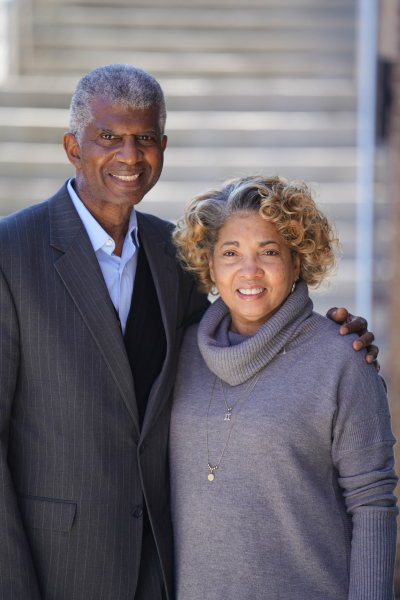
351	324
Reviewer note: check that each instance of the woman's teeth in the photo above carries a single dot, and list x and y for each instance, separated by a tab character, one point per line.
126	177
252	292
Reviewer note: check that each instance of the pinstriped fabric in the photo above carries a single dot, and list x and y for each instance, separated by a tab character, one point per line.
71	468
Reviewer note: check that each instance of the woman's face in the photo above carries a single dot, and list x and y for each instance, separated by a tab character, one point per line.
253	270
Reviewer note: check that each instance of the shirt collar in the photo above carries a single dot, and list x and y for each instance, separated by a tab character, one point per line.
96	233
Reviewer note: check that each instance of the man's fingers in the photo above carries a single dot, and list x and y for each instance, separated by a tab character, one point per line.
364	341
356	325
339	315
372	353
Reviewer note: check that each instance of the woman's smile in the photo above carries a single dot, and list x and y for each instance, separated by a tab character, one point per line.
251	293
253	269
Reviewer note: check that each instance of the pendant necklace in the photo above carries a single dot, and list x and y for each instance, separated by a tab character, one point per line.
229	413
253	384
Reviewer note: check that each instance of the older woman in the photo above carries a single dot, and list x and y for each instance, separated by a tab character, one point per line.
281	450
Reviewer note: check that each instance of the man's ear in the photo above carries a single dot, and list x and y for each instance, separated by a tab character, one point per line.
164	142
72	149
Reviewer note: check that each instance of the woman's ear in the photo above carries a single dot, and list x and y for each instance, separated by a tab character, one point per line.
210	265
296	263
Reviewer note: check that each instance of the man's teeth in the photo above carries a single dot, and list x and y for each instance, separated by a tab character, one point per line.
126	177
252	292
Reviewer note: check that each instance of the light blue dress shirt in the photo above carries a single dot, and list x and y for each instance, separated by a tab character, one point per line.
119	272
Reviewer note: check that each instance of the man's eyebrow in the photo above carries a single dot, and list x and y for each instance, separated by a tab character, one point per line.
112	132
103	130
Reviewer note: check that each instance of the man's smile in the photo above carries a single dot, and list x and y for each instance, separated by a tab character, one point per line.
126	177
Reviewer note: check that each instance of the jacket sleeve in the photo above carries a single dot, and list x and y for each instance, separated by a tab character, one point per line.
17	574
362	452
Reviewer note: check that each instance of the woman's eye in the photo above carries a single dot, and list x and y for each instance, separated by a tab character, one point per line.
229	253
271	253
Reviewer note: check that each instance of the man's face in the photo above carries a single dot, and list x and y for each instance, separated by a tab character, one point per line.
120	156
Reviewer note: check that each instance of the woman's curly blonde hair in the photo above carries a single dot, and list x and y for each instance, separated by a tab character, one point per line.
288	205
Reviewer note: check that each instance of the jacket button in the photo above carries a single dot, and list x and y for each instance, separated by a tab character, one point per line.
142	448
137	511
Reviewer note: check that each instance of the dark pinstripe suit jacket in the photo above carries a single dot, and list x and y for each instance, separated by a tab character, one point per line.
73	463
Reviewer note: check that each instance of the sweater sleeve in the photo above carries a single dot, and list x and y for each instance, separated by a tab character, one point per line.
362	451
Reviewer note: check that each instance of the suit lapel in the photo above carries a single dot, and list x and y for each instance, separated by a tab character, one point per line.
80	272
164	271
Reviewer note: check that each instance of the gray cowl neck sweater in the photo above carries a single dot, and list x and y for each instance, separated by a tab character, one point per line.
235	358
302	503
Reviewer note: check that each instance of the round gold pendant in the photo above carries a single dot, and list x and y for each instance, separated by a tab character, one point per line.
211	477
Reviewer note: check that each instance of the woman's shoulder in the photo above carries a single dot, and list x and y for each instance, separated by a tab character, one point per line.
321	336
191	365
190	335
189	351
336	352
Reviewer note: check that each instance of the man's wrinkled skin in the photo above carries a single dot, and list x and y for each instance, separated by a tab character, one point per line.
351	324
118	160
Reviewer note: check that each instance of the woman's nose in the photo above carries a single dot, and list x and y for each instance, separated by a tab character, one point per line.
250	267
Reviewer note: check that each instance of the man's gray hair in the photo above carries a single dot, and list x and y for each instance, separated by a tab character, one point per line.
121	84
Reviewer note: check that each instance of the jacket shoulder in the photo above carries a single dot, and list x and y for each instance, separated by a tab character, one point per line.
33	213
21	231
163	228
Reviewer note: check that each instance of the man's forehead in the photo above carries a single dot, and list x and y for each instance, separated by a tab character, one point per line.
108	115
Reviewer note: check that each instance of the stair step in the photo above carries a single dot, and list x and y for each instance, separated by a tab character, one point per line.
301	64
201	157
197	164
17	193
207	4
133	38
192	120
266	17
199	94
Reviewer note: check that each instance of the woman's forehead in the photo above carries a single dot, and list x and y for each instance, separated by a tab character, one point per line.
249	227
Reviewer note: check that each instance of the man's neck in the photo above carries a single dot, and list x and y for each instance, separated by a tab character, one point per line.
113	219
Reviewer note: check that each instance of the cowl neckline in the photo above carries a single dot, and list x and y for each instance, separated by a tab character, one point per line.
235	364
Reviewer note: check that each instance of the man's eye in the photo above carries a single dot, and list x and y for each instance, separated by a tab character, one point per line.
108	136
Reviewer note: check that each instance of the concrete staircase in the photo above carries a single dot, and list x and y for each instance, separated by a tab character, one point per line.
269	87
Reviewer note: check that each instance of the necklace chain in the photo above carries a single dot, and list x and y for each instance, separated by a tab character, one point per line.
228	414
253	384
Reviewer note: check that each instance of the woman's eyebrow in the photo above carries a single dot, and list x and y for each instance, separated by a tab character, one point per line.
230	244
266	243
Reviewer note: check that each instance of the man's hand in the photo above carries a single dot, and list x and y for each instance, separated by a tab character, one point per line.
351	324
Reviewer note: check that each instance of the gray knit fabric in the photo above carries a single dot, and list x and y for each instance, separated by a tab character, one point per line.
302	504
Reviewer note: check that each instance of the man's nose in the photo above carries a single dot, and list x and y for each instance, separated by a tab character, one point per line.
129	152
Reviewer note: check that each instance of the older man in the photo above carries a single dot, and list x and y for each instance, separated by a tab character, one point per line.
93	307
